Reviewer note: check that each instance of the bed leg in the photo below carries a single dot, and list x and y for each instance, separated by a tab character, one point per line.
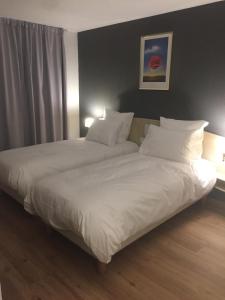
101	267
49	229
204	200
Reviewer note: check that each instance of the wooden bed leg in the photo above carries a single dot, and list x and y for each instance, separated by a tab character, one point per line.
101	267
203	200
49	229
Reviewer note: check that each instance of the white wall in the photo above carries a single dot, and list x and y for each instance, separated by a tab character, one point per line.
71	52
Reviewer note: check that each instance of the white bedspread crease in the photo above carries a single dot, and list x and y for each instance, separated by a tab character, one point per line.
19	168
107	203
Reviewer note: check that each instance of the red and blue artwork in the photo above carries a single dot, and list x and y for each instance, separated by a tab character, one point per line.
155	59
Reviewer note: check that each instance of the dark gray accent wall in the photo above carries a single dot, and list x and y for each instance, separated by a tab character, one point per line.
109	67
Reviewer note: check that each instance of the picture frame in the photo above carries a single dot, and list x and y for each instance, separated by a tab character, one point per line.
155	61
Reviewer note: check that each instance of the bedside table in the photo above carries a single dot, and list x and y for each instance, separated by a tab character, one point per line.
220	183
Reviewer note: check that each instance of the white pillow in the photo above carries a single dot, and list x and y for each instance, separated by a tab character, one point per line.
182	125
104	132
125	118
181	146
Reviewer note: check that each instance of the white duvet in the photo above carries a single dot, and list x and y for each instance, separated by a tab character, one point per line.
108	203
20	168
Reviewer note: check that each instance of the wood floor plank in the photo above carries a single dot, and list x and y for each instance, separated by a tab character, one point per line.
183	259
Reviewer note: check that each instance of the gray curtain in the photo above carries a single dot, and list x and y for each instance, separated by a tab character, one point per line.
32	84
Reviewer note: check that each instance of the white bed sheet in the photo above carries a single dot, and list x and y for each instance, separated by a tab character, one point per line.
107	203
20	168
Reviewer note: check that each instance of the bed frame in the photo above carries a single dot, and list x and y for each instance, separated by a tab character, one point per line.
211	151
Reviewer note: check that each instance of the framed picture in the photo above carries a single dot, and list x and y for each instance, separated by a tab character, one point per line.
155	60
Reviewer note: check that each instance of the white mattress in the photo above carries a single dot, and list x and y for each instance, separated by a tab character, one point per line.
108	203
20	168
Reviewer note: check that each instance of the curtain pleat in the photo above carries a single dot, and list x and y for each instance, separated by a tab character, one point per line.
32	84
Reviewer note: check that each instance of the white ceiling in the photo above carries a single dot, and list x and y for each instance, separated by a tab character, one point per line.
78	15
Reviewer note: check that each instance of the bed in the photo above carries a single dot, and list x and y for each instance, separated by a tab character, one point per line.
109	204
20	168
105	206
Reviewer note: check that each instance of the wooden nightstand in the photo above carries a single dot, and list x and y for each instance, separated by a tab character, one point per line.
220	184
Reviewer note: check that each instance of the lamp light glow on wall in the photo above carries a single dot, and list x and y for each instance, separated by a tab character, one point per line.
99	114
88	122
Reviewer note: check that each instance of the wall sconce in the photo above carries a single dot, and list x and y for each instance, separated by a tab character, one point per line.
88	122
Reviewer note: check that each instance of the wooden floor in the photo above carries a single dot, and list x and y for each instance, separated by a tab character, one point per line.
182	259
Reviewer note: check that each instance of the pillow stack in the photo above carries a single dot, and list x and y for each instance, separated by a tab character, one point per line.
175	140
113	130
